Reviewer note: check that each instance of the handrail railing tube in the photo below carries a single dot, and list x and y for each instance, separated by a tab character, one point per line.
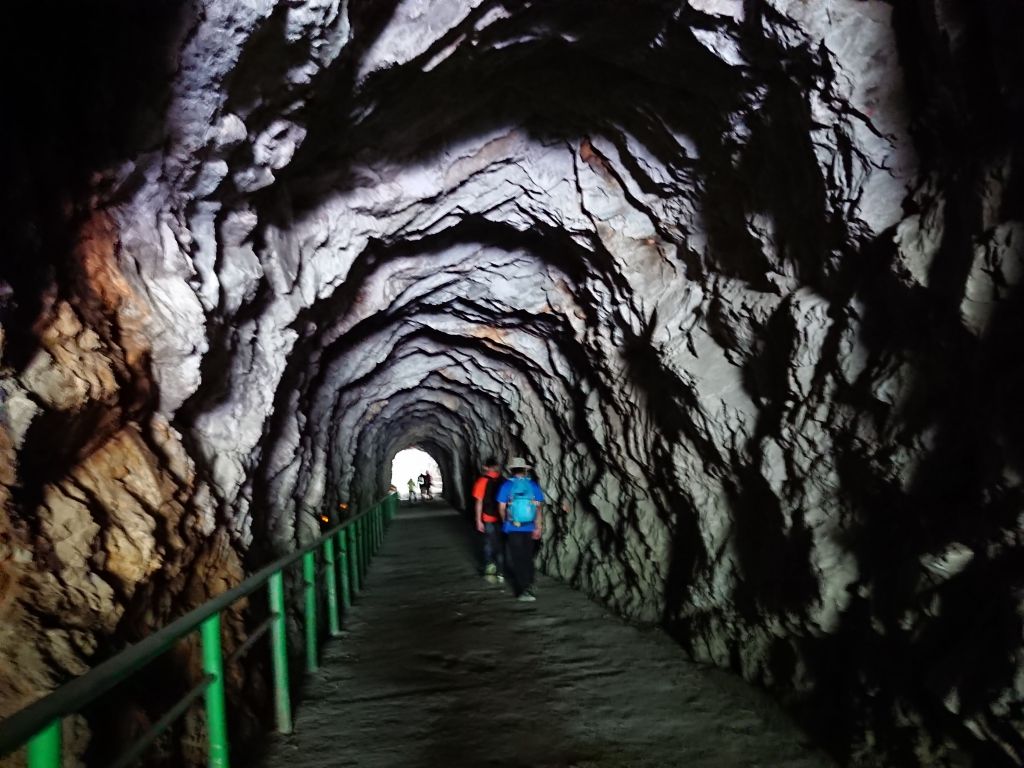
216	713
360	557
44	750
254	637
137	749
309	589
279	655
353	545
331	577
364	550
367	550
343	557
38	726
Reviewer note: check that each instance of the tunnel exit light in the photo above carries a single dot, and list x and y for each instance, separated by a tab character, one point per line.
409	464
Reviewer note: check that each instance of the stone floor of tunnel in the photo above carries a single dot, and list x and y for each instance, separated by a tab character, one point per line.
436	667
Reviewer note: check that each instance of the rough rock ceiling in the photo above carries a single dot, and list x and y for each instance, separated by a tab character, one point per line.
731	272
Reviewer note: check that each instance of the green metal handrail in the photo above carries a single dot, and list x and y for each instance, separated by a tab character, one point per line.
38	726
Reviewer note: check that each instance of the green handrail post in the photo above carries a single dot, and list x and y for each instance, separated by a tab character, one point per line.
333	624
365	549
371	531
279	654
44	748
346	595
360	552
353	545
309	577
213	665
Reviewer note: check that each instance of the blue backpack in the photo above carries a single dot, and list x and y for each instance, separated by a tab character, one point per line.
521	509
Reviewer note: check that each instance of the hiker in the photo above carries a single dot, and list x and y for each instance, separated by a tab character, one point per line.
519	507
412	490
422	480
428	484
488	521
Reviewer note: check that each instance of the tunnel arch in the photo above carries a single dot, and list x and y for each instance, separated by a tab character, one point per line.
709	264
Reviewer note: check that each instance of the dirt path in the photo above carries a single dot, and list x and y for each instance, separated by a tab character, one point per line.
439	668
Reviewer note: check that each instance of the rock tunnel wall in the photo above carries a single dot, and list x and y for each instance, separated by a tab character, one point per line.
742	278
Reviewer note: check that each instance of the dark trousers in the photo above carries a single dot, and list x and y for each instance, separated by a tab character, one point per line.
519	566
494	547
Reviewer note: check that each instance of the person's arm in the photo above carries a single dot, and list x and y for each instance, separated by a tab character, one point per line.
502	498
479	491
538	521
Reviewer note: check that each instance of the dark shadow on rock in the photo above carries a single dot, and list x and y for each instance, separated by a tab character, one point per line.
86	85
775	573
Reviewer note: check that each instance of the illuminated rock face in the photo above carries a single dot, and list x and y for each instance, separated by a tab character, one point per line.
743	279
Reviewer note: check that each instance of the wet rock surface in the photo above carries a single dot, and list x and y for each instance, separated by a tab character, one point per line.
743	279
487	681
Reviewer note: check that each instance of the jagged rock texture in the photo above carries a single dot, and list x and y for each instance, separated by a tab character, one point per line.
742	278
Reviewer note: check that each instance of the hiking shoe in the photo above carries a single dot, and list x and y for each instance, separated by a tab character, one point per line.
526	597
490	578
501	578
491	569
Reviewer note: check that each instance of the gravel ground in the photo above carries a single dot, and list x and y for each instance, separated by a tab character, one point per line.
438	668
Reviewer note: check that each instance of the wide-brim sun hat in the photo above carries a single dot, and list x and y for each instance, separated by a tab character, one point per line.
518	462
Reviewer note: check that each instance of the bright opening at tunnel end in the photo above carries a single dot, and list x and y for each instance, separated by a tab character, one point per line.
411	464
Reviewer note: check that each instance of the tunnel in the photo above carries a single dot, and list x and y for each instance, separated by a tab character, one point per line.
742	281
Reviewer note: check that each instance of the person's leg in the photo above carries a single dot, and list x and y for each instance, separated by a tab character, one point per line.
517	554
529	570
499	551
490	554
495	549
488	543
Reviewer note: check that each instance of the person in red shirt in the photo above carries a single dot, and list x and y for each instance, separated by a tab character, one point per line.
488	521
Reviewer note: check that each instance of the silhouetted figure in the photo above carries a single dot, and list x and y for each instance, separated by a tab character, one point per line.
488	521
519	506
428	483
412	490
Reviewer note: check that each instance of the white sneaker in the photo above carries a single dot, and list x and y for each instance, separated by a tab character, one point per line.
526	597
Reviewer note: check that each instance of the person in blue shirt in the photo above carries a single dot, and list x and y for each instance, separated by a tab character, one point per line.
519	506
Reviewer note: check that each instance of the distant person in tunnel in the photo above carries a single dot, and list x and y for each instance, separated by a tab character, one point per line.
428	484
488	521
519	506
412	490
